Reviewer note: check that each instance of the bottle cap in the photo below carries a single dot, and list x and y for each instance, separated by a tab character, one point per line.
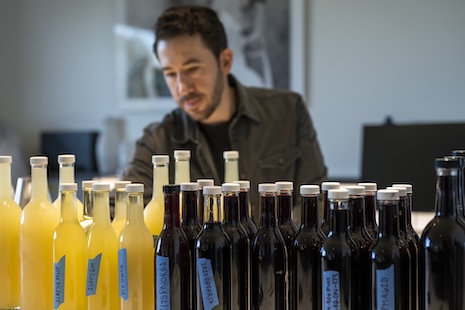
356	190
446	162
409	187
459	158
101	186
39	160
387	194
231	154
339	193
6	159
134	188
171	189
182	154
189	186
284	185
205	182
458	153
309	189
121	184
326	186
402	190
86	184
66	159
160	159
244	184
212	190
230	187
369	186
267	187
67	187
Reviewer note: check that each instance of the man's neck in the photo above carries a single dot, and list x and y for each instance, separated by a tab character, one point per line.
226	109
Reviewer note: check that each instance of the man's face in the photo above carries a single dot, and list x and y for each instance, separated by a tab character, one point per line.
193	75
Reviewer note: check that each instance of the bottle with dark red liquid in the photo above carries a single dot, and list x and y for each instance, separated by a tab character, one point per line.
370	208
306	286
244	209
213	256
443	240
200	204
173	283
325	187
240	245
336	254
269	256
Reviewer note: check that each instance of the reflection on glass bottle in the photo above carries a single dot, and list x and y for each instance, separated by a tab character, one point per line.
325	187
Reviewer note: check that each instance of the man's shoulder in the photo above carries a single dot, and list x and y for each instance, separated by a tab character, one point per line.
273	95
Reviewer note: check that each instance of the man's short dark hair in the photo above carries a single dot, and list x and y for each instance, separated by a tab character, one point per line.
191	20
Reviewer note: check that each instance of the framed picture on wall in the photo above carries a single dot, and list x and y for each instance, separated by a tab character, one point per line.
267	38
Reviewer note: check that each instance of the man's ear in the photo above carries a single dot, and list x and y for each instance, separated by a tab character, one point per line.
226	60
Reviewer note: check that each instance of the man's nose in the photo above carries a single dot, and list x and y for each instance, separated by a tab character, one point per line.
184	84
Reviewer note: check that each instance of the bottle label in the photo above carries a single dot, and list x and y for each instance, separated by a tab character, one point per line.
59	282
93	268
331	290
207	283
123	274
385	296
163	283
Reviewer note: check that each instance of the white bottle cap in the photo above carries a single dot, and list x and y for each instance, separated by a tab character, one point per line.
212	190
160	159
309	189
101	186
182	154
409	187
6	159
369	186
134	188
338	193
402	190
356	190
67	187
39	160
66	159
86	184
326	186
244	184
267	187
230	187
231	154
284	185
205	182
189	186
387	194
121	184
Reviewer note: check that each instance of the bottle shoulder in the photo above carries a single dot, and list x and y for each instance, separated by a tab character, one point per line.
443	230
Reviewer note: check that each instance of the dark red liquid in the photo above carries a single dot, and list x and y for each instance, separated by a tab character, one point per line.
326	219
246	220
370	215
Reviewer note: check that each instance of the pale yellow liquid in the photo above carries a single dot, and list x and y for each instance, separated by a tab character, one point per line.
66	175
154	212
69	240
87	204
120	211
231	170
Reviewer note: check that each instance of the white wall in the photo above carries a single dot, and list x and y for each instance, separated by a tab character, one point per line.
367	59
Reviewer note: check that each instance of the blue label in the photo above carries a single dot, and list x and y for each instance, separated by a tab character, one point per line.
331	290
163	283
93	268
385	296
59	282
207	283
123	274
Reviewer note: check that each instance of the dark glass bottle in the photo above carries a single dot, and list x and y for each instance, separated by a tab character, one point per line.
370	208
240	244
269	256
213	256
200	204
461	186
360	252
325	187
173	283
336	254
390	277
244	209
190	224
306	286
443	240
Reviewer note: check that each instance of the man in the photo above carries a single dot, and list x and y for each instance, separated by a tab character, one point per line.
271	129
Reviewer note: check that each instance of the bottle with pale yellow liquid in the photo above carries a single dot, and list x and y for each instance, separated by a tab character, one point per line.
10	215
69	255
66	164
231	166
87	204
182	170
154	211
102	254
136	255
121	204
38	222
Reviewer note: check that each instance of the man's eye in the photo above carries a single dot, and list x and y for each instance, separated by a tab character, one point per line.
170	75
192	69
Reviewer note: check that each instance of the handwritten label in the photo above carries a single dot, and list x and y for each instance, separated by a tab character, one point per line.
163	283
207	283
331	290
93	268
59	282
385	296
123	274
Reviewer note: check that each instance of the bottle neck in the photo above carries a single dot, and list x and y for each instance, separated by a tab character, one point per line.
231	170
244	206
357	212
310	210
101	203
284	203
66	173
182	171
388	218
68	206
172	218
160	178
461	189
211	210
370	209
339	216
87	202
135	209
446	192
189	207
231	207
408	216
267	203
5	181
403	214
121	203
325	202
39	184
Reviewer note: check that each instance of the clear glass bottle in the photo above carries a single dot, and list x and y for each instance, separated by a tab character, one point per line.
231	166
121	206
202	183
370	207
325	187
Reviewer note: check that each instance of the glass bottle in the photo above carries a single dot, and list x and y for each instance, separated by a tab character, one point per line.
231	166
202	183
244	209
102	254
38	221
461	181
307	242
325	187
69	254
135	255
443	240
9	239
460	187
336	254
213	256
370	207
87	204
270	284
153	212
240	245
121	207
182	172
